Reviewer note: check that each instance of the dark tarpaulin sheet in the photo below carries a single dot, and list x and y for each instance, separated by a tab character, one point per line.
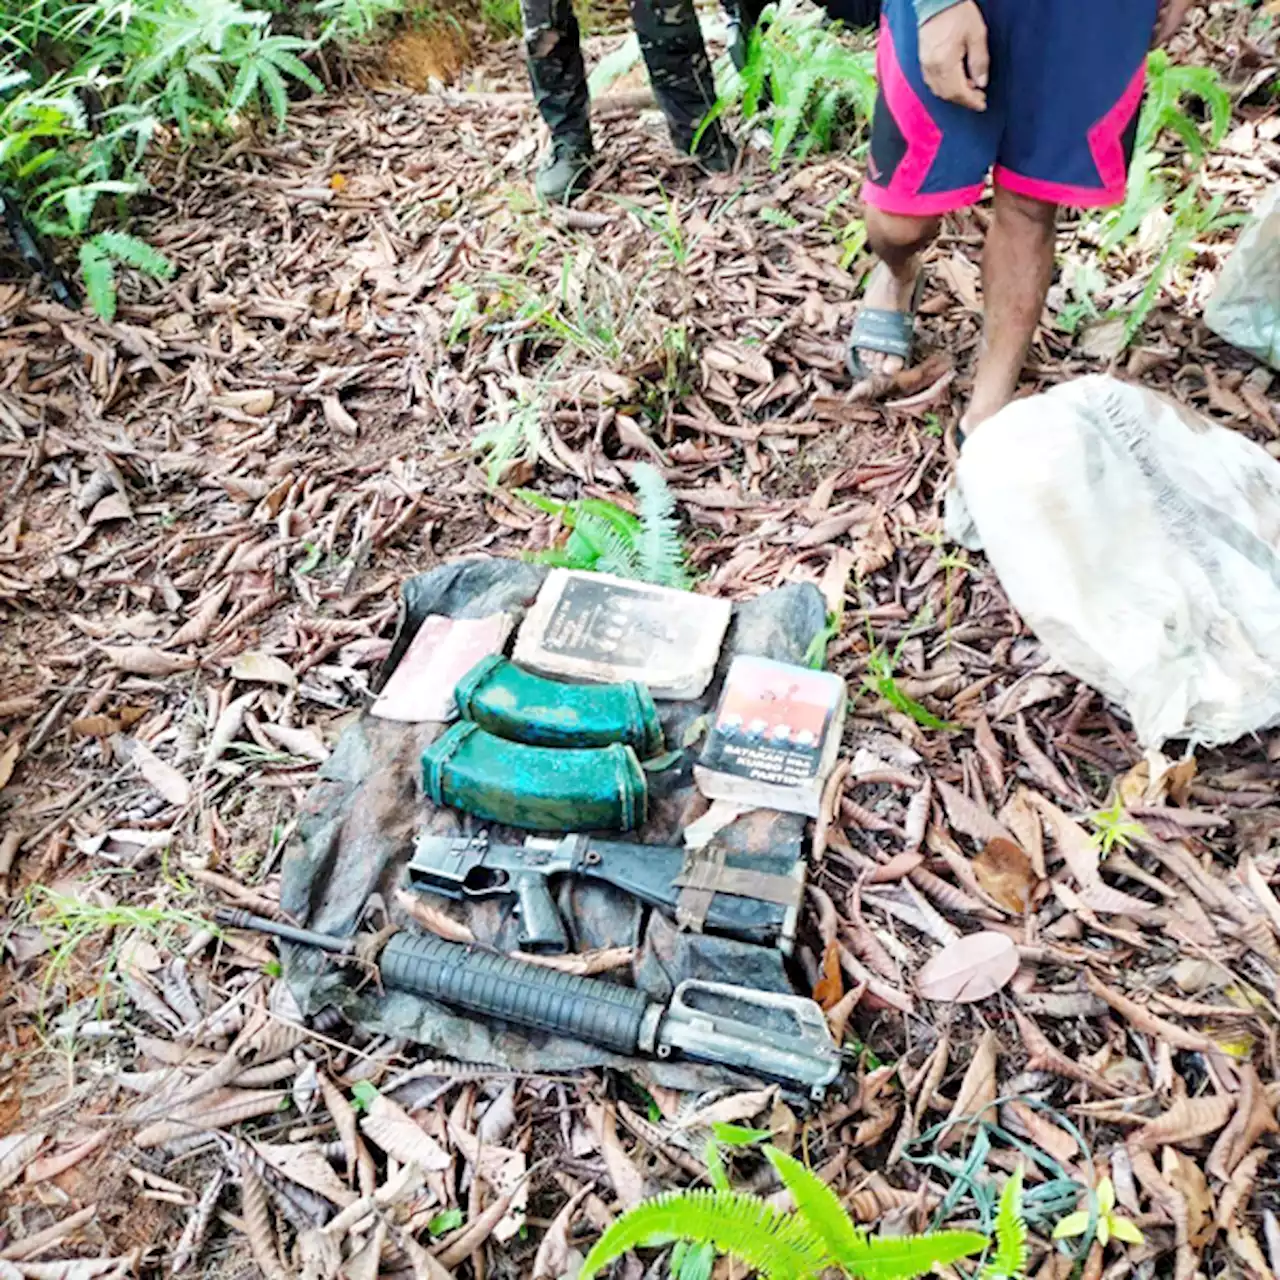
359	820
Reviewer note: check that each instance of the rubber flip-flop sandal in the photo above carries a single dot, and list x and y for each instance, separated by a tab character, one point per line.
891	333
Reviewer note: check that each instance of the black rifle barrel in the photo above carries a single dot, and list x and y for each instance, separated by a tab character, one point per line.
233	918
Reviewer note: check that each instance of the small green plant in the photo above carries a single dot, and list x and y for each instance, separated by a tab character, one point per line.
1084	282
1154	172
818	1237
71	922
358	19
99	257
1099	1219
666	224
815	655
86	86
446	1220
1193	220
779	218
881	679
502	18
515	433
605	538
1009	1261
1113	829
814	88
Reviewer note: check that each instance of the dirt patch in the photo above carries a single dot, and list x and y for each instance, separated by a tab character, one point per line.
436	51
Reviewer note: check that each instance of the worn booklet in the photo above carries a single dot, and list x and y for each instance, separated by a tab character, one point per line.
441	652
775	736
593	626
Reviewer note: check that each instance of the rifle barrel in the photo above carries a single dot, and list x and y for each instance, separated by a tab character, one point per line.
233	918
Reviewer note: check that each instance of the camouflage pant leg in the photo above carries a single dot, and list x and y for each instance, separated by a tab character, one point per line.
679	70
556	71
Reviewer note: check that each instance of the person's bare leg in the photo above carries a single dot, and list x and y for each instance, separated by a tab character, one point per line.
898	242
1017	267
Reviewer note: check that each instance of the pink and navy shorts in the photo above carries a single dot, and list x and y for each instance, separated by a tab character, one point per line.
1065	86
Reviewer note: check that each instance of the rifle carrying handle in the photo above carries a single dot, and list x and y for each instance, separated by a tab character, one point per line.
498	986
522	707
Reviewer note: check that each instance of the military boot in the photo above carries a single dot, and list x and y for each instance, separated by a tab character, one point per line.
716	151
566	172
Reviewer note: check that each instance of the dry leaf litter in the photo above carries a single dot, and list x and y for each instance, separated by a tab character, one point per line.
209	505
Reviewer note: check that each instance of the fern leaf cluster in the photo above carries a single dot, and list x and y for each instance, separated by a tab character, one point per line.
659	549
818	1237
606	539
805	78
99	257
779	1246
1009	1261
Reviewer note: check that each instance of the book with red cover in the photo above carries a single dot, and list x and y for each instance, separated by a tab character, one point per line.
775	736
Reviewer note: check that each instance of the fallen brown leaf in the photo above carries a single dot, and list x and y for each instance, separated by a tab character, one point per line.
586	963
1006	873
9	761
1254	1115
59	1162
263	668
552	1258
1186	1177
258	1228
434	919
200	623
1055	1142
16	1150
829	988
392	1128
1042	768
143	660
628	1181
1142	1019
971	968
977	1091
972	820
33	1244
1186	1120
164	778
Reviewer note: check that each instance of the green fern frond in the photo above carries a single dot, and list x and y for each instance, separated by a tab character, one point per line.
550	506
818	1205
659	549
1010	1258
623	523
692	1261
135	253
611	551
98	272
779	1246
903	1257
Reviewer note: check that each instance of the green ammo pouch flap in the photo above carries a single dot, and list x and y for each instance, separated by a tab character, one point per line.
537	788
523	707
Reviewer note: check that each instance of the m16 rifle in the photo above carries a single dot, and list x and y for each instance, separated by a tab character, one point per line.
747	903
780	1037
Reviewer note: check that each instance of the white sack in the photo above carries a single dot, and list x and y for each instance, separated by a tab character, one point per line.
1245	307
1141	543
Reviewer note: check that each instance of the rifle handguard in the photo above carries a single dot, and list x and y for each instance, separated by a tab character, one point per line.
523	707
497	986
537	788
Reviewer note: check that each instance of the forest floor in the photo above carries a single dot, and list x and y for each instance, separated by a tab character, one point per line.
221	491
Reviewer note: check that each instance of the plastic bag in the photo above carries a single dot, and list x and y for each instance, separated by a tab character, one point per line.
1245	307
1139	542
